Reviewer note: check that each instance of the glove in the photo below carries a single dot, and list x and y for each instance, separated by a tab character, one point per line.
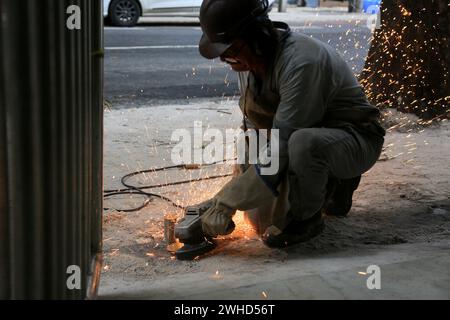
247	191
217	220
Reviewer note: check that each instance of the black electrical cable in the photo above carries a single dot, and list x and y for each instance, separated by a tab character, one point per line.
146	202
131	189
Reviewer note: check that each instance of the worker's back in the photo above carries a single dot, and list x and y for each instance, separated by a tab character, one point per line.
322	89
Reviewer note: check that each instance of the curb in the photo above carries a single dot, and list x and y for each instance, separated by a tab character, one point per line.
294	15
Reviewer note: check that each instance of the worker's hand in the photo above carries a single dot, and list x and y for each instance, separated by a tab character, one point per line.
247	191
217	220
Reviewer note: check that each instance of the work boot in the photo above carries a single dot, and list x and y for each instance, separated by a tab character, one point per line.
341	200
296	232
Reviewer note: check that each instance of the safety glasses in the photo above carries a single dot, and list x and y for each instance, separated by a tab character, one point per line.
232	52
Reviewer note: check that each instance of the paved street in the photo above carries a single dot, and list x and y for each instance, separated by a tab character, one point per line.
156	65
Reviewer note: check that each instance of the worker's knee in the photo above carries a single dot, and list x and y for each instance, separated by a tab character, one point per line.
304	145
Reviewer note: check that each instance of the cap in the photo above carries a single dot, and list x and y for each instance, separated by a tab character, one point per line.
222	21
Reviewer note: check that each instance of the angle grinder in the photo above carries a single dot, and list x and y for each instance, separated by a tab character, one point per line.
189	231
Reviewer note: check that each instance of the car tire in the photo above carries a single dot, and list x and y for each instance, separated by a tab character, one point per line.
124	13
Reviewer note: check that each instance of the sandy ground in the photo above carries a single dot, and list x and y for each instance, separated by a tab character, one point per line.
403	199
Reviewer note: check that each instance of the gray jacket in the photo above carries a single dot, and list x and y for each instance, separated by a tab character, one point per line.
308	85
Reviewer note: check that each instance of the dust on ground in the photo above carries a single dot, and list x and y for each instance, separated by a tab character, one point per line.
403	199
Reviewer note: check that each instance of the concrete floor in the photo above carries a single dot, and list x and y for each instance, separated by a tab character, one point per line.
408	271
400	222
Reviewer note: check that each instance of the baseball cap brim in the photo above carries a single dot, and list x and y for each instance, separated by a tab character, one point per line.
212	50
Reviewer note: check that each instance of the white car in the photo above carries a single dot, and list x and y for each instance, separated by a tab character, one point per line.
126	13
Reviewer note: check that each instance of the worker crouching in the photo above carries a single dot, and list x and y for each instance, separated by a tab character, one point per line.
329	133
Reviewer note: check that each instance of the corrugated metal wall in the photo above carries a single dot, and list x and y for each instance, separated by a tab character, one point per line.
51	132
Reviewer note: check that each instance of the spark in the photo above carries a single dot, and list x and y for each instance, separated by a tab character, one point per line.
216	275
114	252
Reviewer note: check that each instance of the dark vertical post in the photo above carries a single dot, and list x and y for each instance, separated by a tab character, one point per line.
51	138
